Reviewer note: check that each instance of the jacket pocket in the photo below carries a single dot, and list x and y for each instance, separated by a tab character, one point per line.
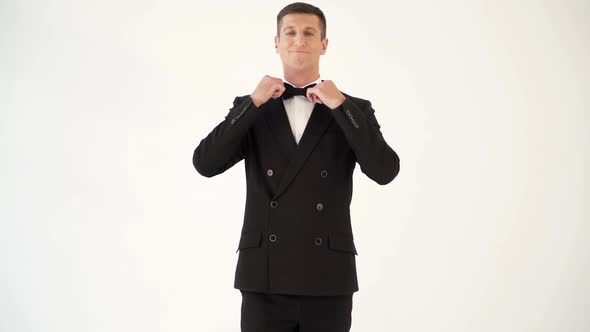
249	240
342	242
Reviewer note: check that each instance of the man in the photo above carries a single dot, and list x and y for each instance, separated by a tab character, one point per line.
300	138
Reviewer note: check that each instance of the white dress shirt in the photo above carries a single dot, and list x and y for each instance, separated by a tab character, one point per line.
299	110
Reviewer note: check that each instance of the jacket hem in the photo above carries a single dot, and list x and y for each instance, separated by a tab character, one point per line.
297	292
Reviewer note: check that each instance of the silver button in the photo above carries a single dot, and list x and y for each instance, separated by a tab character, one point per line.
324	173
274	204
319	206
272	238
269	172
318	241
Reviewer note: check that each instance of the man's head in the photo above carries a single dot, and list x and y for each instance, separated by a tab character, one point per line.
301	36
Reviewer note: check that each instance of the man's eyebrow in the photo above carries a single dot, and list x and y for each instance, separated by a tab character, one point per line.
307	28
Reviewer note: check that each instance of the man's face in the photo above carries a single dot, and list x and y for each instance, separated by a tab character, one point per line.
300	41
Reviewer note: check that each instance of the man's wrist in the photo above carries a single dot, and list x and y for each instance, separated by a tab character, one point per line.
340	102
255	101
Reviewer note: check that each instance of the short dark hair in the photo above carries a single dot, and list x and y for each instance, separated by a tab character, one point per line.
302	8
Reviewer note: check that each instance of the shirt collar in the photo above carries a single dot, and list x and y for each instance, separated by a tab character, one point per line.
316	82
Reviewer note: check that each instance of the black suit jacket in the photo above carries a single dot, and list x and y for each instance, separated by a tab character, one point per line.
296	236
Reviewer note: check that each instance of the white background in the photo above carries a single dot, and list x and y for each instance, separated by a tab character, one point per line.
106	226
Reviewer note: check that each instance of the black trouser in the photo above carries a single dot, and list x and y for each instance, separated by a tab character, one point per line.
295	313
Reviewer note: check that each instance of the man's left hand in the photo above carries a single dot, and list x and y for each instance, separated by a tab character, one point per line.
326	93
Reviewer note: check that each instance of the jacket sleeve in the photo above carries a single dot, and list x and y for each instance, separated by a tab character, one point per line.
227	143
376	158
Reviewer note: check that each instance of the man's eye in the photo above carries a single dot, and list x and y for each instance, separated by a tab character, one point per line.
292	33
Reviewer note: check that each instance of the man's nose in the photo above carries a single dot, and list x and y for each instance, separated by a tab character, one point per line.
299	40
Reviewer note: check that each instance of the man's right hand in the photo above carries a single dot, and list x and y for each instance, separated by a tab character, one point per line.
267	88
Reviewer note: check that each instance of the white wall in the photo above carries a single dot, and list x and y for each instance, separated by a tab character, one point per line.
106	226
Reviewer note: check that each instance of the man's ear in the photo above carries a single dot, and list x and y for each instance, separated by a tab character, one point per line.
277	44
324	45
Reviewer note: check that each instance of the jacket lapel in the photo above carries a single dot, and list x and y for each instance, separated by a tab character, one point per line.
318	122
279	125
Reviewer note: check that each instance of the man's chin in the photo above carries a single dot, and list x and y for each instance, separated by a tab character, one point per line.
298	65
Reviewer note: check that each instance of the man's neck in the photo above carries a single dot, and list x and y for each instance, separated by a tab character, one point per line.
301	79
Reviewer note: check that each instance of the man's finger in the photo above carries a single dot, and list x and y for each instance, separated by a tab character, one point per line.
315	98
311	94
279	89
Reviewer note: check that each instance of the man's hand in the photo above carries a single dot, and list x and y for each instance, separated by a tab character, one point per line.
267	87
326	93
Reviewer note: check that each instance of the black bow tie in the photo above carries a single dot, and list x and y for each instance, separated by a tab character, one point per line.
291	91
